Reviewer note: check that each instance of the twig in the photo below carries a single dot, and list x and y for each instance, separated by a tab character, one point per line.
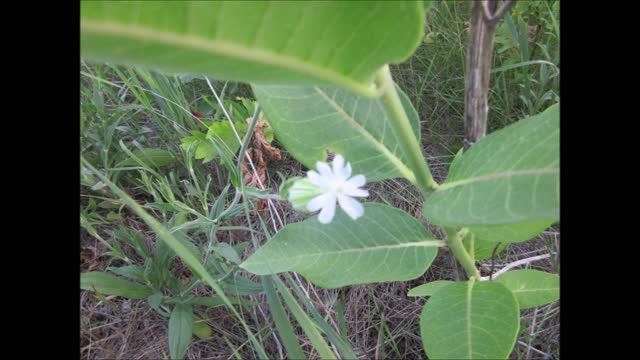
516	264
493	18
531	332
547	356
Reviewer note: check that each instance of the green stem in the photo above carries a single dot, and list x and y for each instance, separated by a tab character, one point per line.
402	127
455	243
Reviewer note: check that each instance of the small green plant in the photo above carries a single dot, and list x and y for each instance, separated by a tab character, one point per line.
324	83
151	279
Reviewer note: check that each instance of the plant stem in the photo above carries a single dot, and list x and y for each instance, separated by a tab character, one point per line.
402	127
455	243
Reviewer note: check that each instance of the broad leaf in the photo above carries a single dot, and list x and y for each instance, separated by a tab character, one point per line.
506	187
112	285
532	287
482	249
511	233
180	330
470	320
386	244
308	121
330	42
429	289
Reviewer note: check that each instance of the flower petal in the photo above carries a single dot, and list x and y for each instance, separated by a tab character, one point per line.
347	171
357	181
324	168
321	202
357	193
338	164
351	206
328	211
317	179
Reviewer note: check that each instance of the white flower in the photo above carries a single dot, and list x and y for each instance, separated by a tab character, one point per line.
335	186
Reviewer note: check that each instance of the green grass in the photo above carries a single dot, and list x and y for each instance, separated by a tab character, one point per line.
132	123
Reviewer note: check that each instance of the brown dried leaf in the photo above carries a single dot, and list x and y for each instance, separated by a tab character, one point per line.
261	152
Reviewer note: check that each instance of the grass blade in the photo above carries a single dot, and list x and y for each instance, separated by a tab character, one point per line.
285	329
305	322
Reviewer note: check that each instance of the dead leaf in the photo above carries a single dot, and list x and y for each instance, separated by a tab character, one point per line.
261	152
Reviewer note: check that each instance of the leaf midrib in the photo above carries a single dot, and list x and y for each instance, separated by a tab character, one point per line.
220	47
457	183
425	243
396	161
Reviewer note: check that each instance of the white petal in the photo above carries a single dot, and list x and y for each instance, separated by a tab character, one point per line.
324	168
338	164
321	202
316	178
347	171
328	211
352	207
357	181
357	193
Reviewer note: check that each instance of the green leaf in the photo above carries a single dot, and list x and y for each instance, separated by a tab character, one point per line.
283	324
155	300
112	285
152	157
386	244
310	328
219	135
482	249
133	272
342	43
239	285
506	187
227	251
180	330
308	121
470	320
531	287
202	330
429	289
510	233
213	301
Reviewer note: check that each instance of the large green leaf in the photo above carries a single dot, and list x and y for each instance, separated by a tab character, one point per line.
311	120
386	244
180	330
506	187
470	320
338	42
532	287
111	285
510	233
